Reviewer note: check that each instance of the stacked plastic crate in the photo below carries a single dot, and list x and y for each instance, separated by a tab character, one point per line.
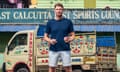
106	51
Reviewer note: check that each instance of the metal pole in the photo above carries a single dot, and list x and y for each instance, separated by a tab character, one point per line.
115	39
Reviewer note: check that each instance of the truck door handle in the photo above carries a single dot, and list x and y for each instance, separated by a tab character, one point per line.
25	51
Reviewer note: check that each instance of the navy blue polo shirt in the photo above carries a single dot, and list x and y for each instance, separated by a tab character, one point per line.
58	29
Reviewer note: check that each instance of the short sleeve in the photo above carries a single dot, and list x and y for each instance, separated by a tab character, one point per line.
71	29
48	30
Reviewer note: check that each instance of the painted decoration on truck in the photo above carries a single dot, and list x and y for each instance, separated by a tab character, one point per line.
19	49
89	59
42	47
83	45
30	48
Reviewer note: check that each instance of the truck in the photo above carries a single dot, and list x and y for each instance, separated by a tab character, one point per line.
27	52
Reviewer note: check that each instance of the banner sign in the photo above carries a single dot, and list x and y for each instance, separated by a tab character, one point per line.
41	16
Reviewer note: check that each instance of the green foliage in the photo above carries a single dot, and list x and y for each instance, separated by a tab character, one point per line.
4	38
0	70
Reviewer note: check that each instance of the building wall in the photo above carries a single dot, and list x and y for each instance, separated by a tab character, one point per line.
14	3
110	3
66	3
77	3
89	3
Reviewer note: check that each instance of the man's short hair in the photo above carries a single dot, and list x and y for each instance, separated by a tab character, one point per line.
58	4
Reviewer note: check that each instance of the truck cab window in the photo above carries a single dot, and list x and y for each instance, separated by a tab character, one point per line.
20	39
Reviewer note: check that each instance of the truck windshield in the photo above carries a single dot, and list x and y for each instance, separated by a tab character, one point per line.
20	39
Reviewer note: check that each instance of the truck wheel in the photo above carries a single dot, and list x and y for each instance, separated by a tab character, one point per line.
107	71
77	70
21	68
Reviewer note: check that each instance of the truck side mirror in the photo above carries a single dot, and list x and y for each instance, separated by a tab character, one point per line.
7	50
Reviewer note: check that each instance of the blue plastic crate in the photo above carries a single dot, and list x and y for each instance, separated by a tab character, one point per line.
105	41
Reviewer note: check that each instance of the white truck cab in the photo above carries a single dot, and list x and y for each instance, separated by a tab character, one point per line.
19	52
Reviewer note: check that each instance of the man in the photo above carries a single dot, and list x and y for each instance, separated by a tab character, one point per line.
59	32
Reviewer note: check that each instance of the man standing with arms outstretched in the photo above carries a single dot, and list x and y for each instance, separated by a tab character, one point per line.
59	32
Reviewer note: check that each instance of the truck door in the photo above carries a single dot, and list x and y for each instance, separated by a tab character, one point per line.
18	45
17	51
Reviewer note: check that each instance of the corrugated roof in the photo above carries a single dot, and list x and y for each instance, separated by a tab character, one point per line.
98	28
14	28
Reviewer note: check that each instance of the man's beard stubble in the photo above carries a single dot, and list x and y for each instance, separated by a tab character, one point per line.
59	16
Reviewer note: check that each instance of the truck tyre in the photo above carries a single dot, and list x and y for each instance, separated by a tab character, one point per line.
107	70
77	70
21	68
